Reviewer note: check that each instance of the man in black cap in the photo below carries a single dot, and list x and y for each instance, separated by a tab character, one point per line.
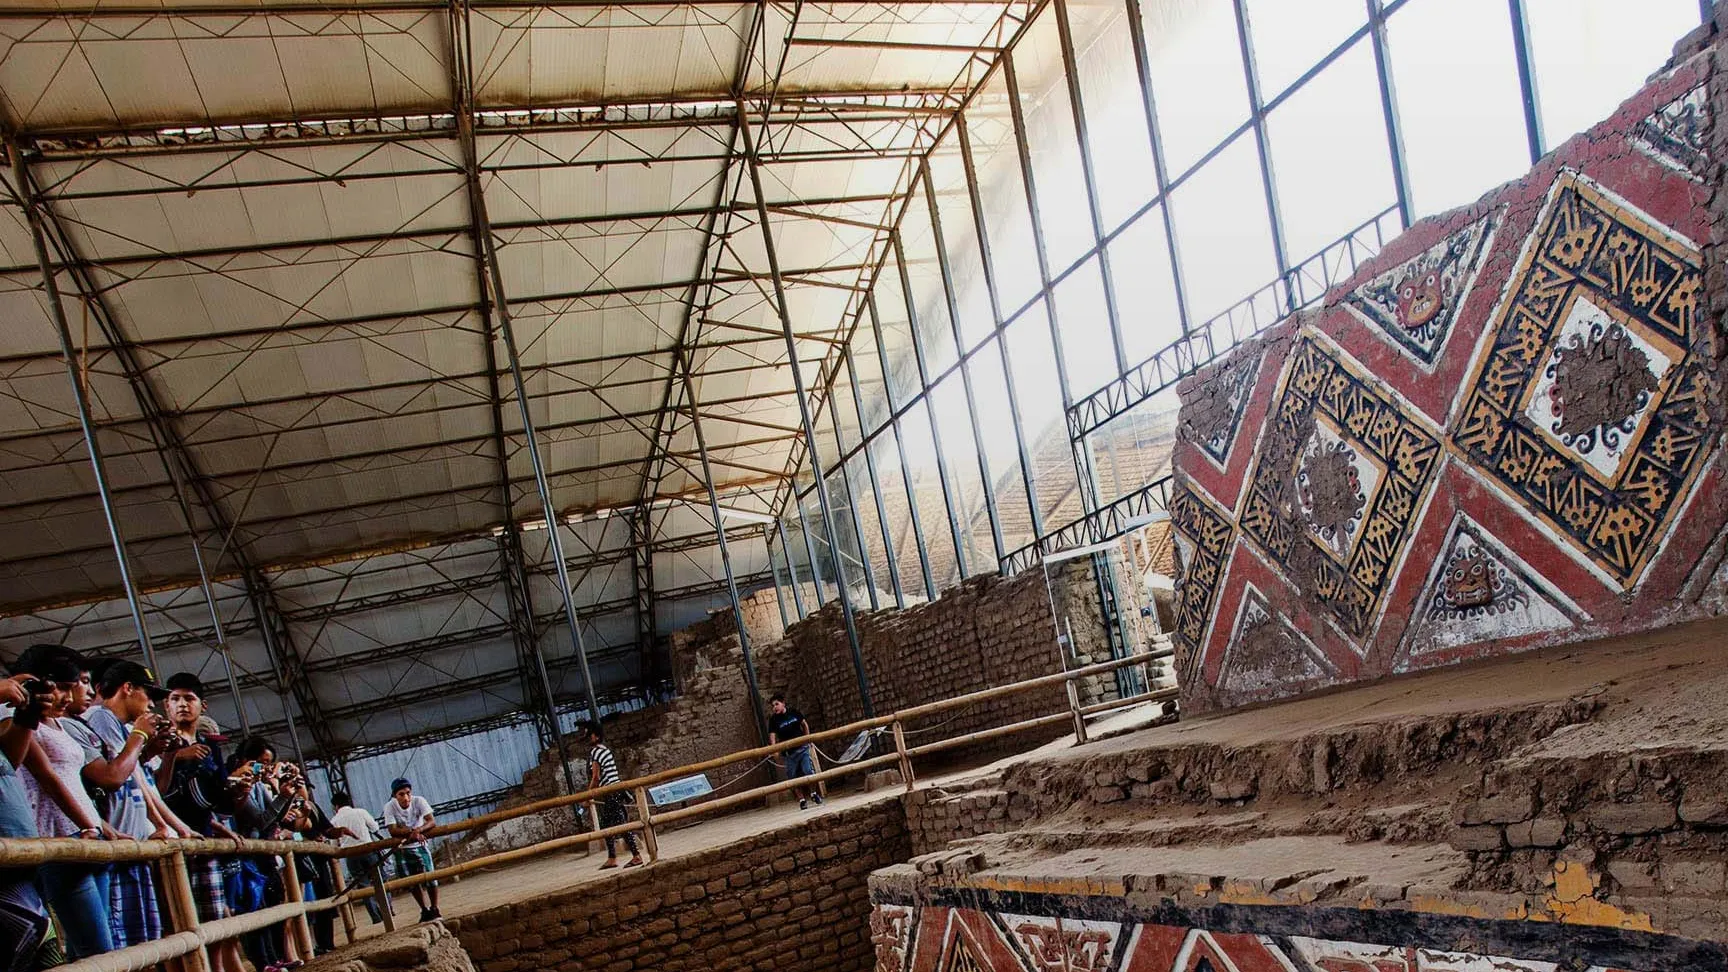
194	784
126	734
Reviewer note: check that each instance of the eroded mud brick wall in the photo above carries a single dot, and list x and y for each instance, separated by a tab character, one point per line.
985	632
1503	432
796	900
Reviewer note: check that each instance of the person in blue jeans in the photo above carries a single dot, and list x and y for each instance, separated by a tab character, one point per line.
785	724
77	893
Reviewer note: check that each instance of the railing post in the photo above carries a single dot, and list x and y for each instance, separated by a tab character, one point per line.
652	843
339	884
1074	708
182	908
816	764
384	902
293	893
905	757
593	824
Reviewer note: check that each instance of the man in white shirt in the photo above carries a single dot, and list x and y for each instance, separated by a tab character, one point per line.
365	830
409	817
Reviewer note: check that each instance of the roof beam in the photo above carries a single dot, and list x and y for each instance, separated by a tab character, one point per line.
173	450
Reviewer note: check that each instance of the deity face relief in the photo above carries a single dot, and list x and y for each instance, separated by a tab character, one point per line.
1421	297
1470	581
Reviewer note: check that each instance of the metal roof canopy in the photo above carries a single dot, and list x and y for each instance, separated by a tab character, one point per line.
298	250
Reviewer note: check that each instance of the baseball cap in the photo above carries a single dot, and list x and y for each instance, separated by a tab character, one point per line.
51	663
398	785
121	671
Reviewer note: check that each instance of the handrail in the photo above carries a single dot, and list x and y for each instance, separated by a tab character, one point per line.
31	851
188	943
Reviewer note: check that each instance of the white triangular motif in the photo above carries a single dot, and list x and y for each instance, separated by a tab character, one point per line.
1267	655
1678	134
1478	590
1415	303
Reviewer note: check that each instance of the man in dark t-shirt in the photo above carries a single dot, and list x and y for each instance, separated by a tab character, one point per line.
785	724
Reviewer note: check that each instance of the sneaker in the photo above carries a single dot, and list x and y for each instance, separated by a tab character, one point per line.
426	914
817	797
803	804
437	913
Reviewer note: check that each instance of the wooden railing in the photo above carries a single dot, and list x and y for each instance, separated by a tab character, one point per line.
186	948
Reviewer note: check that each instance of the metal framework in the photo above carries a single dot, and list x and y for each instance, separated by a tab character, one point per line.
415	385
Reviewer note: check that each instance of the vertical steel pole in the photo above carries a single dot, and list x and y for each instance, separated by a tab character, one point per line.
755	170
1389	109
1527	79
1160	167
875	486
948	288
682	361
33	204
1257	116
204	584
786	554
492	282
924	398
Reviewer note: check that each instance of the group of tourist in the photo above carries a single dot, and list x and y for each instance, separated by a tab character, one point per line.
84	754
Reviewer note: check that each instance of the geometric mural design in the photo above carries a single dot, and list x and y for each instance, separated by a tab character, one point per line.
1415	303
890	936
1678	134
1171	948
1478	590
1342	470
1267	654
1203	535
1061	944
1589	401
1213	411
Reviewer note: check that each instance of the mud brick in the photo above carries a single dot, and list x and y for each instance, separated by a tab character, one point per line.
1503	808
1481	837
1631	818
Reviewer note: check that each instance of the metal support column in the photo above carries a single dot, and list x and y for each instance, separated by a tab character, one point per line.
1257	117
80	396
875	488
757	710
492	286
754	167
1160	167
1527	79
1389	109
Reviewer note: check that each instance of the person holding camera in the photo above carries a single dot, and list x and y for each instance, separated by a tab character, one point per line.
126	735
24	923
77	893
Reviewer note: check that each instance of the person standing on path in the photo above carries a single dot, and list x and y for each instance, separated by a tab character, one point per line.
410	816
785	724
603	771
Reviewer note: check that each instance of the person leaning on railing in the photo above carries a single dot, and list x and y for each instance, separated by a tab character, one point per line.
194	786
24	924
77	892
124	735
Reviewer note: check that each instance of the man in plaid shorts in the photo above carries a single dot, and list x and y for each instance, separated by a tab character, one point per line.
195	786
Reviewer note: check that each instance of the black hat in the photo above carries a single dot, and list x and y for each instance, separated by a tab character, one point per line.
121	672
186	682
51	663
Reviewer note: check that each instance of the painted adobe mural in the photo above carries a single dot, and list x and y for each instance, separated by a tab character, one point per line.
911	937
1504	432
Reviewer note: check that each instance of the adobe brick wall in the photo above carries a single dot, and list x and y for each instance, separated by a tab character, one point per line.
794	901
984	632
1503	432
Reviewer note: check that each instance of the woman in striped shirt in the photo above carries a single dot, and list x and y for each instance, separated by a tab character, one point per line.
603	771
